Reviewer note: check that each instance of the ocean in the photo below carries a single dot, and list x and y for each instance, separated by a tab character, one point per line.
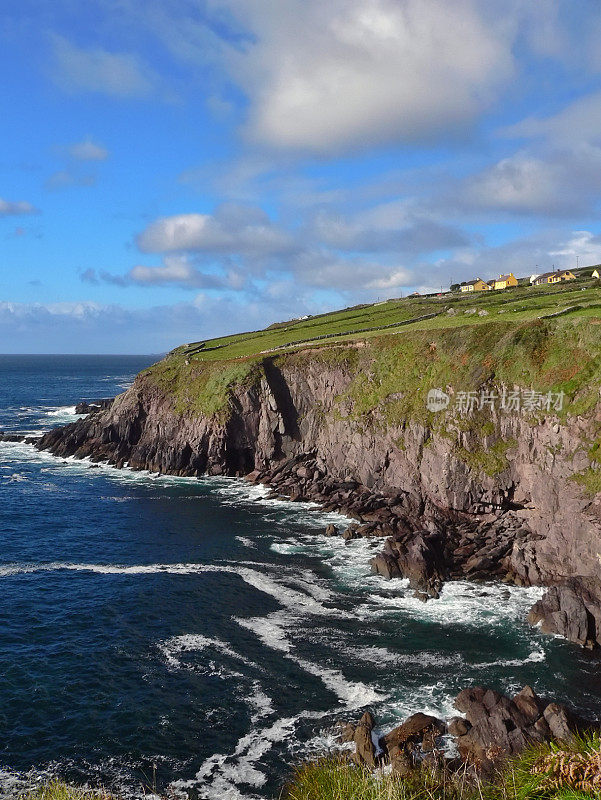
194	637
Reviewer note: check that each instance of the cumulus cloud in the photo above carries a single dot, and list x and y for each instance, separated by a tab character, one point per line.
347	73
94	69
549	249
87	150
179	271
564	183
240	248
10	208
232	230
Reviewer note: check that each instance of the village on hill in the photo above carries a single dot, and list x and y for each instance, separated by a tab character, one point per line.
508	280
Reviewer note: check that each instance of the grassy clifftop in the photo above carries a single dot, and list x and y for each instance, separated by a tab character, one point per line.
545	338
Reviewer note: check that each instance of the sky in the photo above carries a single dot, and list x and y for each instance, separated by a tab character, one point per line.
174	170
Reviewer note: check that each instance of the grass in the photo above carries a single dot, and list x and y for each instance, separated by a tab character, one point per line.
556	771
57	790
521	303
334	778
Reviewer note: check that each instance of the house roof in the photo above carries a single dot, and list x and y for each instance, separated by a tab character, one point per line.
472	283
545	275
504	277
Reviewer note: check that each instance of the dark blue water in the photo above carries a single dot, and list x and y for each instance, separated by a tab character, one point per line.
192	633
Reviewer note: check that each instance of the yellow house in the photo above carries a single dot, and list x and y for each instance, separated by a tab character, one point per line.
475	286
555	277
595	273
503	281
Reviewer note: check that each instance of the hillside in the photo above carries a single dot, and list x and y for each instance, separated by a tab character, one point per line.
580	298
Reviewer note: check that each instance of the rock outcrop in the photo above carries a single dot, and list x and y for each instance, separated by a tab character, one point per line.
494	727
442	515
498	725
92	406
571	609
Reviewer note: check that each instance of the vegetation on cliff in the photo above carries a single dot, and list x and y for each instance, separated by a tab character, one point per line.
508	339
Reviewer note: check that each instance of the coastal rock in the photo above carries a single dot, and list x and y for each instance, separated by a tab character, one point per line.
93	406
501	726
416	728
421	559
572	610
365	750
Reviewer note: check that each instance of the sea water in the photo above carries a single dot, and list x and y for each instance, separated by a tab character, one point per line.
194	637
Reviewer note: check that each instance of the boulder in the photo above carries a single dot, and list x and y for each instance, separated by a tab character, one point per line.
457	726
331	530
385	566
422	561
93	406
559	722
414	729
572	610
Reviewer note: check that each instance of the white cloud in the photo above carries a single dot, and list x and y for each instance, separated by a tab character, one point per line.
9	208
177	270
579	121
347	73
563	183
87	150
541	252
582	245
97	70
387	228
230	230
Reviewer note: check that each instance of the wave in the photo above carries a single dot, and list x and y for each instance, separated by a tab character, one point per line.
60	411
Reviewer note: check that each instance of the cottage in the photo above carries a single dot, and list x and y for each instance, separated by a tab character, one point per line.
595	273
475	286
504	281
555	277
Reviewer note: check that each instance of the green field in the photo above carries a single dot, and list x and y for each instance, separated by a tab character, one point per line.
579	298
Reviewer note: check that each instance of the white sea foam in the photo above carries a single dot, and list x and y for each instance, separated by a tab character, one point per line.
61	411
220	776
273	631
460	602
174	647
244	540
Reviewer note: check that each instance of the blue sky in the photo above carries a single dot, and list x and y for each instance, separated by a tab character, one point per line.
178	169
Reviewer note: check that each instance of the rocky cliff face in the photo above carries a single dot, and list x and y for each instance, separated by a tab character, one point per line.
296	420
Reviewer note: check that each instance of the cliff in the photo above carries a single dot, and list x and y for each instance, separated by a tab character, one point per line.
493	489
